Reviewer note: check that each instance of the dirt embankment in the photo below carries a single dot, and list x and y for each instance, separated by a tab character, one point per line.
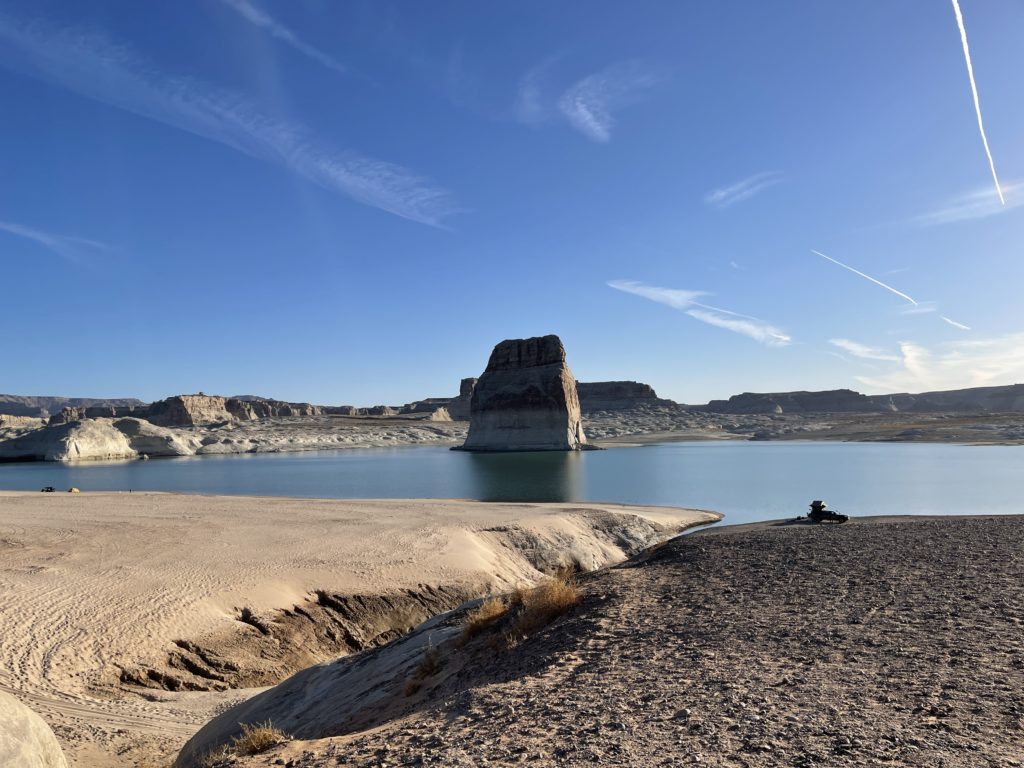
880	642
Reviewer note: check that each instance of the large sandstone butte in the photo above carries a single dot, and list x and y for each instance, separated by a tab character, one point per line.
526	400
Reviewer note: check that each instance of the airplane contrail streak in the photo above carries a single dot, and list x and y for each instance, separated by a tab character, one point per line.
977	102
866	277
955	324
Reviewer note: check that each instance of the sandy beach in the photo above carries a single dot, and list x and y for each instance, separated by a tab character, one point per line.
100	586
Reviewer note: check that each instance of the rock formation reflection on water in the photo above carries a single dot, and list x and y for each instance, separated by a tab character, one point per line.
539	476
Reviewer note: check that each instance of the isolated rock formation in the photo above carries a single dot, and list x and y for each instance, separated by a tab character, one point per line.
526	400
26	741
439	414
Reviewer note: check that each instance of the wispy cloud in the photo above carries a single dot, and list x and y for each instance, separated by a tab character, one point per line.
974	93
954	365
741	190
677	298
758	330
955	324
866	277
264	20
976	204
70	248
588	105
530	104
95	67
686	301
862	350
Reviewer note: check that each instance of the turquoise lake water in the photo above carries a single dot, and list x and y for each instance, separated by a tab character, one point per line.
745	480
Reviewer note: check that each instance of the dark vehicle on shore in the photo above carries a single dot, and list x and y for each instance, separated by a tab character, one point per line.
49	489
820	513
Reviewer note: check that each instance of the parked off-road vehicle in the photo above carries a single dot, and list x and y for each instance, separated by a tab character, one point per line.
820	513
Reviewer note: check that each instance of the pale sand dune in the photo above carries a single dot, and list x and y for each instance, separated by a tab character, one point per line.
95	582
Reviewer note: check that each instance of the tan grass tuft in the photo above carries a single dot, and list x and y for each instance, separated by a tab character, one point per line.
483	617
544	603
256	738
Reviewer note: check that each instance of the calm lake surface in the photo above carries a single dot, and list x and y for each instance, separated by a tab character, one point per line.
747	481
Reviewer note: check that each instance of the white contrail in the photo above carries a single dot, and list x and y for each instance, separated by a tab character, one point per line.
955	324
977	102
866	277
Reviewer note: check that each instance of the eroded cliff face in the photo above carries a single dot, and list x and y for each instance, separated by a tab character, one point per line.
526	400
188	411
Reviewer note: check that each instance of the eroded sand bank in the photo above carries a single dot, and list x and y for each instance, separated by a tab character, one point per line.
888	641
94	584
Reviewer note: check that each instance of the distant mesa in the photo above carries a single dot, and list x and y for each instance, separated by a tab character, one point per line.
44	406
831	401
617	396
1000	399
526	400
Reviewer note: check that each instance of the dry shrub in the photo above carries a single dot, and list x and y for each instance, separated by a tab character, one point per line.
430	664
256	738
483	617
544	603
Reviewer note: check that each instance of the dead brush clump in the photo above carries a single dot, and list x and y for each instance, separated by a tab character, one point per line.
482	618
522	612
429	666
542	604
257	737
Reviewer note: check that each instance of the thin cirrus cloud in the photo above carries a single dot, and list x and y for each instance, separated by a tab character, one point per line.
862	351
975	204
723	197
589	104
93	66
70	248
954	365
264	20
686	301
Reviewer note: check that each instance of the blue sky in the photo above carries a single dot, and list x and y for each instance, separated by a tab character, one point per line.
353	202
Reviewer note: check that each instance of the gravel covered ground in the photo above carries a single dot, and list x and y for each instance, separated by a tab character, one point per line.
881	642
